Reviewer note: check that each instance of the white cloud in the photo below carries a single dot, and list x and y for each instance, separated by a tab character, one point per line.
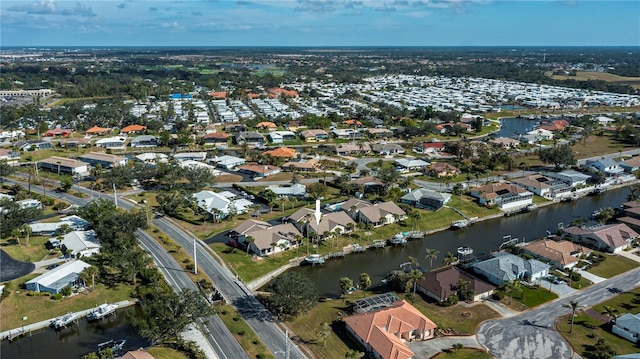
50	7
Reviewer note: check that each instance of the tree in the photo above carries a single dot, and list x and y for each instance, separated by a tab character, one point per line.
365	282
89	273
26	231
414	216
323	333
167	314
431	255
610	312
558	156
353	354
600	350
6	169
197	177
248	240
316	190
414	276
132	262
66	184
291	294
449	259
574	306
345	284
269	196
512	286
605	214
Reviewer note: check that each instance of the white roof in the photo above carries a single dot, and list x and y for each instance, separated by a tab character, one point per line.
196	164
406	162
110	139
78	241
73	221
60	273
293	190
151	156
228	160
209	200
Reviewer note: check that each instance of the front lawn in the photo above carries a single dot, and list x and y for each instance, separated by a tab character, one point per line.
613	265
465	353
526	297
35	251
456	318
586	331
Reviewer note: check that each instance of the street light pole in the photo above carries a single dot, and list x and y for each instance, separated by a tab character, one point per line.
195	257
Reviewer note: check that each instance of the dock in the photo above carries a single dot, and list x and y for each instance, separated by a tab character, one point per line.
379	243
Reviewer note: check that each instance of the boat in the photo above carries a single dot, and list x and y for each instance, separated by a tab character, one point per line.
102	311
315	259
114	345
597	191
65	320
398	239
465	251
531	207
463	223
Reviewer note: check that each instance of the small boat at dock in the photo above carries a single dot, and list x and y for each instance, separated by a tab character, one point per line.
464	251
65	320
114	345
531	207
463	223
102	311
398	239
315	259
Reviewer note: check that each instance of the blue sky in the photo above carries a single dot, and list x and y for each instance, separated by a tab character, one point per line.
320	23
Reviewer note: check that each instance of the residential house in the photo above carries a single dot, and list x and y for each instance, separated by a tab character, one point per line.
537	135
63	165
380	214
281	152
235	128
335	222
266	125
294	126
151	158
111	142
504	142
190	156
570	177
132	129
346	133
379	132
137	354
504	195
228	162
315	135
628	327
605	121
426	198
277	137
78	244
105	160
220	204
215	139
387	149
555	126
97	131
353	123
348	149
631	215
71	142
260	171
294	190
411	164
33	145
191	164
251	139
430	148
50	228
367	184
543	186
631	165
352	205
29	203
442	283
560	254
310	165
54	280
9	155
265	239
384	332
442	169
611	238
58	132
605	165
506	267
144	141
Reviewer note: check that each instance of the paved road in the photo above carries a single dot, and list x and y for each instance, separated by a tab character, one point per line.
532	334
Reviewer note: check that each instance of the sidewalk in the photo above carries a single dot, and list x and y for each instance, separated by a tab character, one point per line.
592	277
502	309
631	254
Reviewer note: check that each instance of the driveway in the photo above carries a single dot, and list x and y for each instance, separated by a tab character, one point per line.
429	348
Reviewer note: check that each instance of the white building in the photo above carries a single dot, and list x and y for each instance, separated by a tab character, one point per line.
220	204
80	244
54	280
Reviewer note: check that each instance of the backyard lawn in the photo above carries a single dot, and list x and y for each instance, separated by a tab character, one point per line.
165	353
464	353
35	251
613	265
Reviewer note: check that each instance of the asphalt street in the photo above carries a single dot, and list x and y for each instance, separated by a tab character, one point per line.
532	334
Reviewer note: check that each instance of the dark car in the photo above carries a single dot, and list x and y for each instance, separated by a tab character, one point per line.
51	266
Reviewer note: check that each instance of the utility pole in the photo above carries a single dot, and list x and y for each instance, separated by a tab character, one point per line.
286	344
115	195
195	257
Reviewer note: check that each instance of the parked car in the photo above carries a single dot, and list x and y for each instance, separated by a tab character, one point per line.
52	266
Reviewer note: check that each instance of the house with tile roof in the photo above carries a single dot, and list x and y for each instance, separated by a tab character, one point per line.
543	186
504	195
505	267
97	131
133	129
628	327
310	165
384	333
314	135
426	198
561	254
380	214
252	139
281	152
611	238
265	239
259	171
215	138
347	149
335	222
137	354
266	125
442	169
442	283
58	132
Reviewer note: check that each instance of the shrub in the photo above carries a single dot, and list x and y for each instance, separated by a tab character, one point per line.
56	296
66	291
32	293
242	332
575	276
498	296
59	206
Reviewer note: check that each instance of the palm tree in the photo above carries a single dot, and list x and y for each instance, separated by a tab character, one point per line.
248	240
512	286
26	231
449	259
365	282
414	261
323	333
415	217
574	306
414	276
16	234
610	312
431	255
345	284
89	273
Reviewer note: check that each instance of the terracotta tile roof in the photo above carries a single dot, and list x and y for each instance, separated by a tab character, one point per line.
220	135
262	169
308	164
266	124
282	152
138	354
132	128
612	235
97	129
560	251
218	94
352	122
383	329
377	211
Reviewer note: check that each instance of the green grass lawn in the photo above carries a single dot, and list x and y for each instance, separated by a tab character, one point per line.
18	305
585	332
247	338
623	302
613	265
456	317
165	353
35	251
465	353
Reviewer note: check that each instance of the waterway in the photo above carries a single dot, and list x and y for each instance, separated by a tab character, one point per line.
74	341
513	127
483	237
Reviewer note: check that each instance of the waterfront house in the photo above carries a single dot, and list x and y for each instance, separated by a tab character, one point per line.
426	198
442	283
137	354
281	152
411	164
605	165
54	280
384	332
295	190
543	186
611	238
144	141
111	142
387	149
504	142
628	327
505	267
570	177
228	162
105	160
555	126
190	156
541	134
504	195
314	135
631	165
220	204
265	239
380	214
50	228
259	171
560	254
335	222
352	205
78	244
63	165
631	215
132	129
251	139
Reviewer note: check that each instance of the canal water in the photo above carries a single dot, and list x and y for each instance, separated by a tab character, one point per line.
483	237
74	341
513	127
